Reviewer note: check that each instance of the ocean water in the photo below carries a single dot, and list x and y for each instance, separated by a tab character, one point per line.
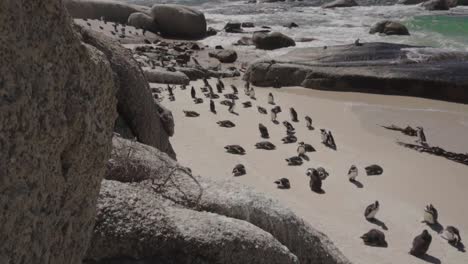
446	30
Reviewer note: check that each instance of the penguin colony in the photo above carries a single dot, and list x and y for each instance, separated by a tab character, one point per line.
317	176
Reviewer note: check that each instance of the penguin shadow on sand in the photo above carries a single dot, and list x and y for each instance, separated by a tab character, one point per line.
459	246
429	259
436	227
357	183
377	222
275	122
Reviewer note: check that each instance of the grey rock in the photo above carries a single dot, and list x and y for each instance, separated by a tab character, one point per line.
113	11
382	68
57	111
388	27
233	27
224	56
271	41
135	102
436	5
340	3
143	21
410	2
179	21
248	25
149	169
161	75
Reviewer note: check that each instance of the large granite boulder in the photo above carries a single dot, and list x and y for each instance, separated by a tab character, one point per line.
410	2
179	21
383	68
150	122
436	5
57	110
388	27
110	10
224	56
340	3
271	41
143	21
161	195
161	75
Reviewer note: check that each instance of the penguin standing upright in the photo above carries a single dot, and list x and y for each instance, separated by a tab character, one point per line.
352	173
169	89
452	235
247	88
324	136
205	82
221	84
421	244
331	140
219	88
315	182
371	210
234	89
308	120
232	106
301	149
212	107
430	215
273	115
263	131
193	93
252	93
421	136
271	99
293	115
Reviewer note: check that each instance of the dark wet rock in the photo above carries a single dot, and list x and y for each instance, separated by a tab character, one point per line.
436	5
382	68
271	41
248	25
233	27
143	21
224	56
291	25
410	2
340	3
113	11
160	75
211	32
388	27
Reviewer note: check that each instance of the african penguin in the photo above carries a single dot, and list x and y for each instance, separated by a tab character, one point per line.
263	131
371	210
169	89
293	115
309	122
421	244
191	113
193	92
234	89
266	145
301	149
235	149
315	183
294	161
273	115
226	123
375	238
212	107
221	83
219	88
261	110
205	82
430	215
421	136
239	170
283	183
232	106
252	93
271	100
324	136
288	126
352	173
289	139
323	174
452	235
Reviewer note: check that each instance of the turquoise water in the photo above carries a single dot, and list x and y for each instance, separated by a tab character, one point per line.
453	27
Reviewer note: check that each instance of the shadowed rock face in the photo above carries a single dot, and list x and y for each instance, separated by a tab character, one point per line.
113	11
373	67
57	110
158	211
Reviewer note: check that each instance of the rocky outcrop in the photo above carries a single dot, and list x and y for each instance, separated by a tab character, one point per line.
163	201
340	3
373	67
410	2
436	5
150	122
143	21
110	10
224	56
388	27
161	75
271	41
57	110
179	21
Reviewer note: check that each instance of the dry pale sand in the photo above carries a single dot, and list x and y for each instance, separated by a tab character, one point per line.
410	179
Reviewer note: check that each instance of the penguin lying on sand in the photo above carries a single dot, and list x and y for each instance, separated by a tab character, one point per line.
198	101
226	123
371	210
235	149
452	235
231	96
247	104
283	183
294	161
375	238
262	110
239	170
421	244
191	113
374	170
266	145
263	131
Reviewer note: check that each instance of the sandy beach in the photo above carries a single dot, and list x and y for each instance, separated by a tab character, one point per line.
409	182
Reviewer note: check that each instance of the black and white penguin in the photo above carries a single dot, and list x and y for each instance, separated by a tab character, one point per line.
331	140
252	93
271	99
262	110
373	169
421	244
324	136
375	238
263	131
288	126
169	90
212	107
283	183
247	104
293	115
239	170
198	100
315	182
219	88
289	139
452	235
205	82
352	173
294	161
421	136
266	145
235	149
277	109
301	149
247	88
234	89
221	83
273	116
232	107
226	103
371	210
191	113
193	93
226	123
308	120
231	96
323	174
430	215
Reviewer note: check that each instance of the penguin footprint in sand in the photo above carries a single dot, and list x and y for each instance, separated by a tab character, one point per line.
266	145
191	114
226	123
375	238
235	149
283	183
239	170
